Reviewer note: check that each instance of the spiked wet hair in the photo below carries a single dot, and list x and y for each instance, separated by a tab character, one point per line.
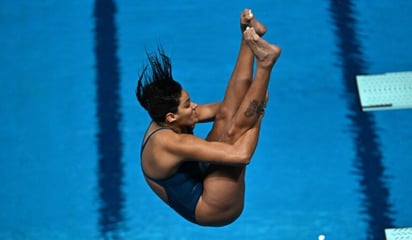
156	89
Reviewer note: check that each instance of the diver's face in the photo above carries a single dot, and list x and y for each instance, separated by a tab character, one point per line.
186	112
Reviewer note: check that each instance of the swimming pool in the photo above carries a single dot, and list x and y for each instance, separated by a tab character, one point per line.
71	127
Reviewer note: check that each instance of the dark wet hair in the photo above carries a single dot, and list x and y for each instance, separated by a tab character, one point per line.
156	89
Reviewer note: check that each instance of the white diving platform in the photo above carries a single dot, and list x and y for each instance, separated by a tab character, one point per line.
398	233
385	91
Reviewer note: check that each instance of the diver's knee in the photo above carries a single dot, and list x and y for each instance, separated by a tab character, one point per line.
234	131
224	114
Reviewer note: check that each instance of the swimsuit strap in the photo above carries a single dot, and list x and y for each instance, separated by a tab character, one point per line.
144	142
148	137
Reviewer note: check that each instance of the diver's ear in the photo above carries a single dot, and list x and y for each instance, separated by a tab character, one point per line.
170	117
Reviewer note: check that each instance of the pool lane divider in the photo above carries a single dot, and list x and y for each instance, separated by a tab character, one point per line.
368	161
109	140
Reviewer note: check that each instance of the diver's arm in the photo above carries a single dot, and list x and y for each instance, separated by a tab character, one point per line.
207	112
183	147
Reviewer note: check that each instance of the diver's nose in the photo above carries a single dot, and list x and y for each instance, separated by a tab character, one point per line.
194	106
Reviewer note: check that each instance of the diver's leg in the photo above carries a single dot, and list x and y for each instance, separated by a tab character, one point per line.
224	186
240	79
223	193
254	101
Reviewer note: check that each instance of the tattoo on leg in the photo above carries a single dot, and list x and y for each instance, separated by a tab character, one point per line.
254	108
261	109
251	109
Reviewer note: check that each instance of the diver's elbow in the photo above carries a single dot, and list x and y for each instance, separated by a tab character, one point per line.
245	159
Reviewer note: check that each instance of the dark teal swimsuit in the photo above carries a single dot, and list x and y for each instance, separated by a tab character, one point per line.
183	188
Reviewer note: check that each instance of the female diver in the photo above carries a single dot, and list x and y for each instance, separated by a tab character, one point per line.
203	180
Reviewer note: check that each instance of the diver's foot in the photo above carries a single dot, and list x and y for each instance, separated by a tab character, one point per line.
248	20
266	54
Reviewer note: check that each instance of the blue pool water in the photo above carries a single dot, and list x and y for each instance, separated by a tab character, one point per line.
70	127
